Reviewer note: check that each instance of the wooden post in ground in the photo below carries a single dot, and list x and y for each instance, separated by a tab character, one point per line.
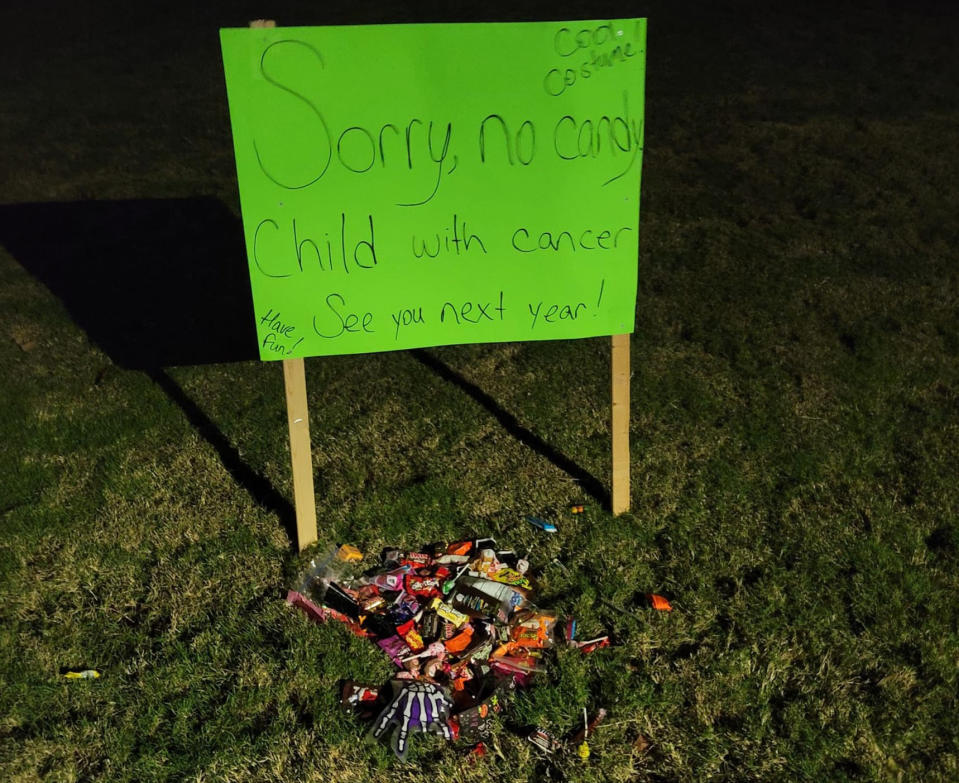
298	418
620	422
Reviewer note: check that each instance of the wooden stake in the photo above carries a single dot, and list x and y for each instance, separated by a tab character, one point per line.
620	422
298	417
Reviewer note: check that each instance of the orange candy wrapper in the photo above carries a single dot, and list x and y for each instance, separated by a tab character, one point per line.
534	632
659	603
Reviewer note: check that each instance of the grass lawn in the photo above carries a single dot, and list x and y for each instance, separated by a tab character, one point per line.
795	424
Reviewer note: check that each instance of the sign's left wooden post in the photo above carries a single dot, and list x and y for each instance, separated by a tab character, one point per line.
298	417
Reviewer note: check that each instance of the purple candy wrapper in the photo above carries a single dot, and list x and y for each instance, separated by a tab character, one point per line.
394	647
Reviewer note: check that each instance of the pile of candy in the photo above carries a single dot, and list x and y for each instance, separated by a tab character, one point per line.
456	620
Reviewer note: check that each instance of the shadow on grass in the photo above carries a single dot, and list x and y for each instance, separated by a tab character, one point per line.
154	283
586	480
258	486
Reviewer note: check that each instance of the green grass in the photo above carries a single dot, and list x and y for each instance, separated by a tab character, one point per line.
795	422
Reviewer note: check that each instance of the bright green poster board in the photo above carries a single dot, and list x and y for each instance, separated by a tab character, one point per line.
415	185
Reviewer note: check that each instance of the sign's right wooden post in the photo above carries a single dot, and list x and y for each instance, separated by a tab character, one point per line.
620	422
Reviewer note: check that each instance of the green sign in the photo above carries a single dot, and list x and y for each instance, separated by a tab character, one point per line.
414	185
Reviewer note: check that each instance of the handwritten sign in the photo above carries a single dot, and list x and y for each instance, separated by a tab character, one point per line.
406	186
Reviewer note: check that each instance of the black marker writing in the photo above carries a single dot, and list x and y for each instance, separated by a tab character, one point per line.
322	162
302	251
601	47
460	241
351	323
587	239
407	316
555	312
356	148
524	139
471	312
